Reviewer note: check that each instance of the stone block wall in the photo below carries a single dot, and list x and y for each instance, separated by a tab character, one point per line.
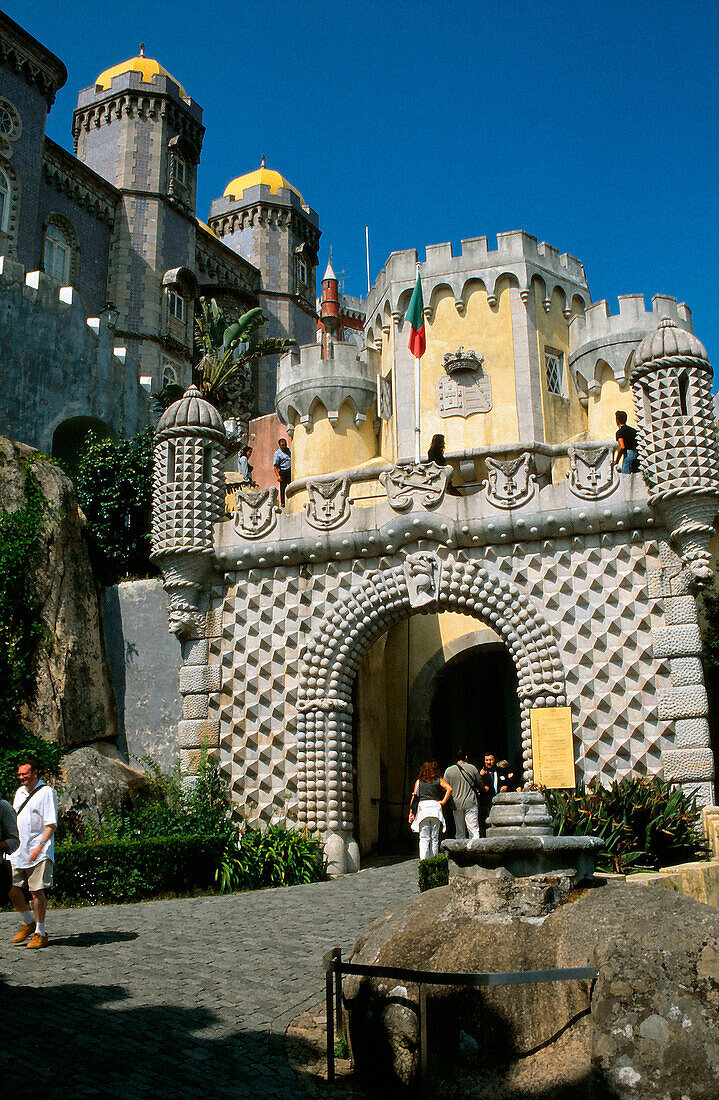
57	364
145	662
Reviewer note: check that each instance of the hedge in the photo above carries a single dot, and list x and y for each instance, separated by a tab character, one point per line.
127	870
433	872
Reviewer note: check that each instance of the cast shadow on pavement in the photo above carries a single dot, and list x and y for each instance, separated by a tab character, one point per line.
91	939
87	1040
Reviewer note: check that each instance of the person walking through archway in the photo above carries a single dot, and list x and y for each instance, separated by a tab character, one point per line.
431	793
466	786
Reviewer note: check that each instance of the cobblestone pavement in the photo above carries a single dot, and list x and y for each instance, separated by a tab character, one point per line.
180	998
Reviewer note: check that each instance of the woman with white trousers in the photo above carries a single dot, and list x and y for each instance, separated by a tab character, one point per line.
431	793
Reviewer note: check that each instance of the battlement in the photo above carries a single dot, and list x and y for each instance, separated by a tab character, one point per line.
518	253
132	82
633	316
304	376
58	363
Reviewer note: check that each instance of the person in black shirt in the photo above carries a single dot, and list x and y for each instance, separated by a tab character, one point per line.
436	454
627	440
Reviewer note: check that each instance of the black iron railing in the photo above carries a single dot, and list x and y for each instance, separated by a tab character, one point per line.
335	970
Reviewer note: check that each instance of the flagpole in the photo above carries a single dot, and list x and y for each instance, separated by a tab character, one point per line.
417	452
366	240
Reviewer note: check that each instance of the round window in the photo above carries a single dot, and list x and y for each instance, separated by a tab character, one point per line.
7	124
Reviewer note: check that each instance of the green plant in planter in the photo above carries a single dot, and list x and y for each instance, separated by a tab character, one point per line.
644	823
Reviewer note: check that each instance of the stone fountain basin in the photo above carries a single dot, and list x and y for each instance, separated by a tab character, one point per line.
522	856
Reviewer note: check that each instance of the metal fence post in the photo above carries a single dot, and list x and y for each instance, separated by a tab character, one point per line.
339	1020
423	1045
328	961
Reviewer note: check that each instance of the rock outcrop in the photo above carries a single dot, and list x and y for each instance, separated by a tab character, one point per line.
73	702
646	1029
95	781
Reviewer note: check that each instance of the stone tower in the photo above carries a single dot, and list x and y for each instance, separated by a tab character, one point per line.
138	128
672	382
265	219
188	499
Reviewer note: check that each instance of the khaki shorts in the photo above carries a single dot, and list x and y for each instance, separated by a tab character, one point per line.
35	878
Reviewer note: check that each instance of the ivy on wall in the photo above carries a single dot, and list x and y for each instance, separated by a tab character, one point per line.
113	482
21	631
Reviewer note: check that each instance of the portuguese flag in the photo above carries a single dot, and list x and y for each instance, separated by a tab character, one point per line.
415	315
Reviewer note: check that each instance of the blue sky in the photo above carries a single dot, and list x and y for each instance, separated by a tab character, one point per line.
591	125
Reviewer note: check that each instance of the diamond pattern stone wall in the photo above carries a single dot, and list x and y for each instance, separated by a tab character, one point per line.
593	592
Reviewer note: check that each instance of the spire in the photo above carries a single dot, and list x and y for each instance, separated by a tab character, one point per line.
142	49
263	162
329	273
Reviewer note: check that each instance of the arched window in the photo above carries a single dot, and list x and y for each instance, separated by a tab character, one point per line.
684	393
4	201
57	253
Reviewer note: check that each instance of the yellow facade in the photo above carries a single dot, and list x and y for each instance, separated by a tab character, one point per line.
603	405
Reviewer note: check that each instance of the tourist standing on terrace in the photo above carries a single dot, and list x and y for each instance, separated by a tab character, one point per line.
282	463
627	440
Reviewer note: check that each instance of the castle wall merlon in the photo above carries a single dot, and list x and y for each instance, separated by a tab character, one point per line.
304	376
132	82
518	254
602	337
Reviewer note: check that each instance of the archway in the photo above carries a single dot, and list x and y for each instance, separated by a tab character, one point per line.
70	437
423	583
475	706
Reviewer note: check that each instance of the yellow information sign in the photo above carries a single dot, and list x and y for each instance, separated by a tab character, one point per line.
552	746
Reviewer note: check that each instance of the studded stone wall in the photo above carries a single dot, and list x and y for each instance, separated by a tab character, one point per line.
596	598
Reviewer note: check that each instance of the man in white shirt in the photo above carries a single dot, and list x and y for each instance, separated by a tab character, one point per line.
33	861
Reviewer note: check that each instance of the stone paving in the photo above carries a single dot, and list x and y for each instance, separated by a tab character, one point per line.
183	998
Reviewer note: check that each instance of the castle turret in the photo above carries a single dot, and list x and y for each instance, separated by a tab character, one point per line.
138	128
672	383
188	499
330	301
264	218
326	401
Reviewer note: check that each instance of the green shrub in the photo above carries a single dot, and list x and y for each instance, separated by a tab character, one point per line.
170	808
127	870
274	856
645	823
113	481
433	872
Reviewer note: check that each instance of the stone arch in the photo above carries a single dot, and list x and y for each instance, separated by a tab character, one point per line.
420	696
423	583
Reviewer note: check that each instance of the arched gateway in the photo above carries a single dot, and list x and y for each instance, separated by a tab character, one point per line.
423	583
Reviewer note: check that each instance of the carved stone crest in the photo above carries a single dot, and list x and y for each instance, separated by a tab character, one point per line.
329	504
256	513
417	483
510	483
422	572
467	388
592	474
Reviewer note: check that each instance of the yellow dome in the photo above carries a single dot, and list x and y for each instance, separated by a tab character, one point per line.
236	187
146	66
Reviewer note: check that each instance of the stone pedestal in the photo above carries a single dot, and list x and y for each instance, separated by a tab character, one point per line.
520	869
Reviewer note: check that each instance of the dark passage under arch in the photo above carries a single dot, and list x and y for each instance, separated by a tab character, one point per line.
475	705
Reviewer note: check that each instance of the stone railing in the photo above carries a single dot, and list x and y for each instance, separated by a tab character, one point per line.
490	469
514	476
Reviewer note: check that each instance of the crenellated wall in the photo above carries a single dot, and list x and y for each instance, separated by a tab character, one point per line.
59	364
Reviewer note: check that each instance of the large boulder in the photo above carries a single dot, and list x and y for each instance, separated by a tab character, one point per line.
73	702
646	1029
95	782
